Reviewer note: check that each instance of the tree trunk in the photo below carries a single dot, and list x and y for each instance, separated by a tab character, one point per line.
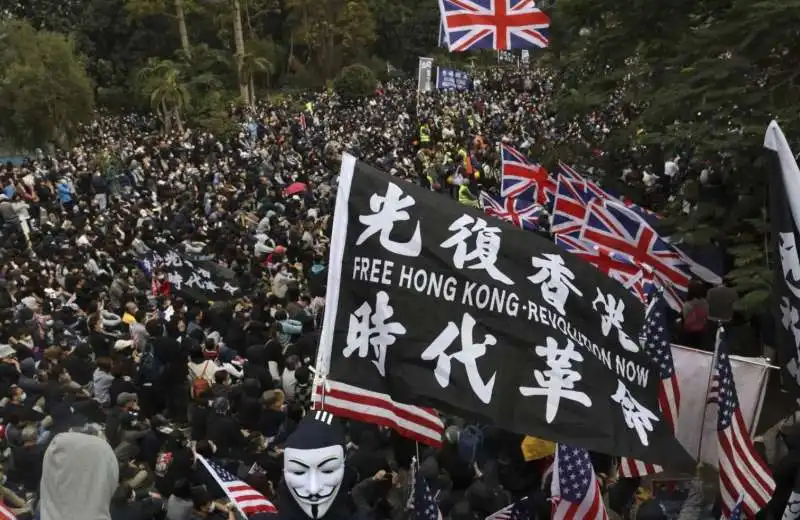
178	120
180	13
165	116
238	36
252	91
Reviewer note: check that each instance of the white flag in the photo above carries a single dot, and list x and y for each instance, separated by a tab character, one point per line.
424	83
692	367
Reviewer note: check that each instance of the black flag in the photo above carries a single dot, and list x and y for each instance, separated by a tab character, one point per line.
198	280
432	304
784	201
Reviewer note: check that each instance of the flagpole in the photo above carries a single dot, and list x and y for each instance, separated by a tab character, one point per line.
720	330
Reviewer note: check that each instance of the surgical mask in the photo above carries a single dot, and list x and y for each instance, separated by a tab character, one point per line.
313	477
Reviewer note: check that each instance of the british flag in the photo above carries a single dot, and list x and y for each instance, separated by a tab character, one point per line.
494	24
567	171
614	264
524	179
612	225
569	206
521	213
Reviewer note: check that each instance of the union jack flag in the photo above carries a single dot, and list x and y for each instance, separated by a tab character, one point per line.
494	24
521	213
614	264
525	180
569	207
614	226
657	345
567	171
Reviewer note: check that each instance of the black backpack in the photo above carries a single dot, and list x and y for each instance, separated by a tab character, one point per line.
150	368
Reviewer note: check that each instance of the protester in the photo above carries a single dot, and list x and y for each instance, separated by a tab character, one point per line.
153	363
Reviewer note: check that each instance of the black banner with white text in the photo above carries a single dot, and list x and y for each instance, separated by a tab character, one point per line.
434	304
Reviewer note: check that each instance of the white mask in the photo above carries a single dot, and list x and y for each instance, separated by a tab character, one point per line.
313	477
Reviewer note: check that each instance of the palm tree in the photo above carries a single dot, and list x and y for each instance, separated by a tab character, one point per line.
253	65
162	82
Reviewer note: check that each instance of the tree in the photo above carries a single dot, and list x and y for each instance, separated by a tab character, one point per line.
697	77
355	81
45	93
162	82
333	31
143	8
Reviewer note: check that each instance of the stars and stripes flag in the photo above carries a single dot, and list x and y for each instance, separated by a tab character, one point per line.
657	345
516	511
524	179
738	511
424	503
713	392
616	265
494	24
6	514
523	214
414	422
743	475
247	500
612	225
574	489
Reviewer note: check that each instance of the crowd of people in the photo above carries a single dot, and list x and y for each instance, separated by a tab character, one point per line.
99	357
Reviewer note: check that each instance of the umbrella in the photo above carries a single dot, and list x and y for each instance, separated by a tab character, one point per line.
294	189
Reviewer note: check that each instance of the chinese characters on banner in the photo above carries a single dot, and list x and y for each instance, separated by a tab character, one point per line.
199	280
435	305
452	79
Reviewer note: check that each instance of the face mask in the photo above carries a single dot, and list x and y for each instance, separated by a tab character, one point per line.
314	477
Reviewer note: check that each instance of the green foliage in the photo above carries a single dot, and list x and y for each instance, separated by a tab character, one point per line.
45	92
703	76
355	81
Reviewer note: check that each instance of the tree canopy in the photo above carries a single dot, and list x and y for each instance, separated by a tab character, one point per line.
45	92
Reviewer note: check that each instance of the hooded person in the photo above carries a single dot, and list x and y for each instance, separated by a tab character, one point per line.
79	476
313	470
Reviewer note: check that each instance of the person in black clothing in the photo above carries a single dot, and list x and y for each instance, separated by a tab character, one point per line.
199	412
256	367
102	344
79	365
174	462
123	371
249	414
27	460
224	431
125	505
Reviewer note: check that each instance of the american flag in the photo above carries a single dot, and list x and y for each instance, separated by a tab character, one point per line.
713	392
738	511
494	24
6	514
569	207
516	511
521	213
743	475
612	225
575	491
524	179
414	422
656	344
425	507
247	500
618	266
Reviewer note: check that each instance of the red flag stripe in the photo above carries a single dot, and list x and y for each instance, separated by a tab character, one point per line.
414	422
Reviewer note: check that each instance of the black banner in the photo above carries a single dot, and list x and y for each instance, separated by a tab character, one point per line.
437	305
784	202
199	280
